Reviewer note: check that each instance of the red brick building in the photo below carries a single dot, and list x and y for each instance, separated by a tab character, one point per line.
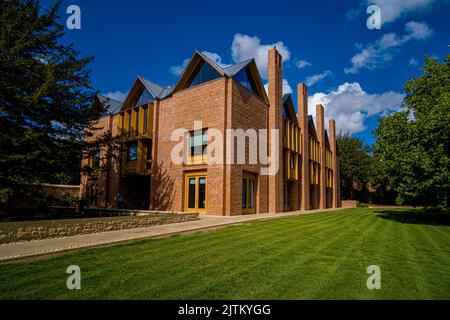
223	99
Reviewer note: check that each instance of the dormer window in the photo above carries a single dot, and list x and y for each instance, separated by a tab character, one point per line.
203	73
245	79
144	98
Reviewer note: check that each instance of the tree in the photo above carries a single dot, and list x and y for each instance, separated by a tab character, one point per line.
45	99
413	145
355	167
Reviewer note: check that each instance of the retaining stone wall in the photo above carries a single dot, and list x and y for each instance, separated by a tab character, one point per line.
33	230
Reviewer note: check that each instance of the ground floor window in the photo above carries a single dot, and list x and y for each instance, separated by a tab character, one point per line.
92	194
287	195
248	193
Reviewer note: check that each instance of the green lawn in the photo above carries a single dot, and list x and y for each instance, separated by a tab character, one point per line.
320	256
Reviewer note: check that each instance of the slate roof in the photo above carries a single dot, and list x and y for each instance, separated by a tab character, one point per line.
229	70
155	90
159	92
111	105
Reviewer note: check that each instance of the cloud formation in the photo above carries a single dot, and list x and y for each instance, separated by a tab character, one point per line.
311	80
380	52
245	47
286	87
413	62
303	64
393	9
350	105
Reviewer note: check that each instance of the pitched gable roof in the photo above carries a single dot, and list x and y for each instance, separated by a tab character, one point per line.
312	127
227	71
288	107
110	105
156	91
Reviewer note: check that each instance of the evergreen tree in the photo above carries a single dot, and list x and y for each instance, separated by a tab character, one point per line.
45	99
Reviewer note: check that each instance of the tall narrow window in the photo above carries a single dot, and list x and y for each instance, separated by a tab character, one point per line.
244	193
148	147
129	113
191	193
132	151
248	193
251	191
201	193
137	122
145	124
96	159
287	195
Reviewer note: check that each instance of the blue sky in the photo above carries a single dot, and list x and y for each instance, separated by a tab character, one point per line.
357	73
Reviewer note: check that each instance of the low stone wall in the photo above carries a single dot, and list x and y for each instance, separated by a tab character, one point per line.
33	230
349	204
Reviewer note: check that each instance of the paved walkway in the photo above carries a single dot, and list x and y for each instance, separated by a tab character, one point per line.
35	248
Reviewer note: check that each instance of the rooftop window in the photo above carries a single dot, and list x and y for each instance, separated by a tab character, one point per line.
245	79
203	73
144	98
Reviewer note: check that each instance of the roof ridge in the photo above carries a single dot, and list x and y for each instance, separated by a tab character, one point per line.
214	64
105	96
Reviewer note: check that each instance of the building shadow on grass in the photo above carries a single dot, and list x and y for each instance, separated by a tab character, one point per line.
415	217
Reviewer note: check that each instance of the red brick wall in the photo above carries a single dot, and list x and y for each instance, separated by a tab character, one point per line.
108	178
248	112
206	103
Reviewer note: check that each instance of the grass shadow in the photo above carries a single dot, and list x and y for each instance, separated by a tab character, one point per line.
415	217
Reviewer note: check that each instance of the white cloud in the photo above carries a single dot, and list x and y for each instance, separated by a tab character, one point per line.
391	10
413	62
303	64
394	9
117	95
246	47
178	70
216	58
350	105
380	52
286	87
417	31
311	80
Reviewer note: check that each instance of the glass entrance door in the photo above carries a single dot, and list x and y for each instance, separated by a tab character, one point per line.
195	192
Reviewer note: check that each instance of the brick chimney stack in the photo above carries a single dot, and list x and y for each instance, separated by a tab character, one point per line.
302	103
275	77
322	152
336	173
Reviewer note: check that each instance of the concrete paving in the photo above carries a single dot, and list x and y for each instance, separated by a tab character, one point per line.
36	248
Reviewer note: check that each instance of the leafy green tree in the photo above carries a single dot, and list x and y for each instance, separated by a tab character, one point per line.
414	145
355	167
45	99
